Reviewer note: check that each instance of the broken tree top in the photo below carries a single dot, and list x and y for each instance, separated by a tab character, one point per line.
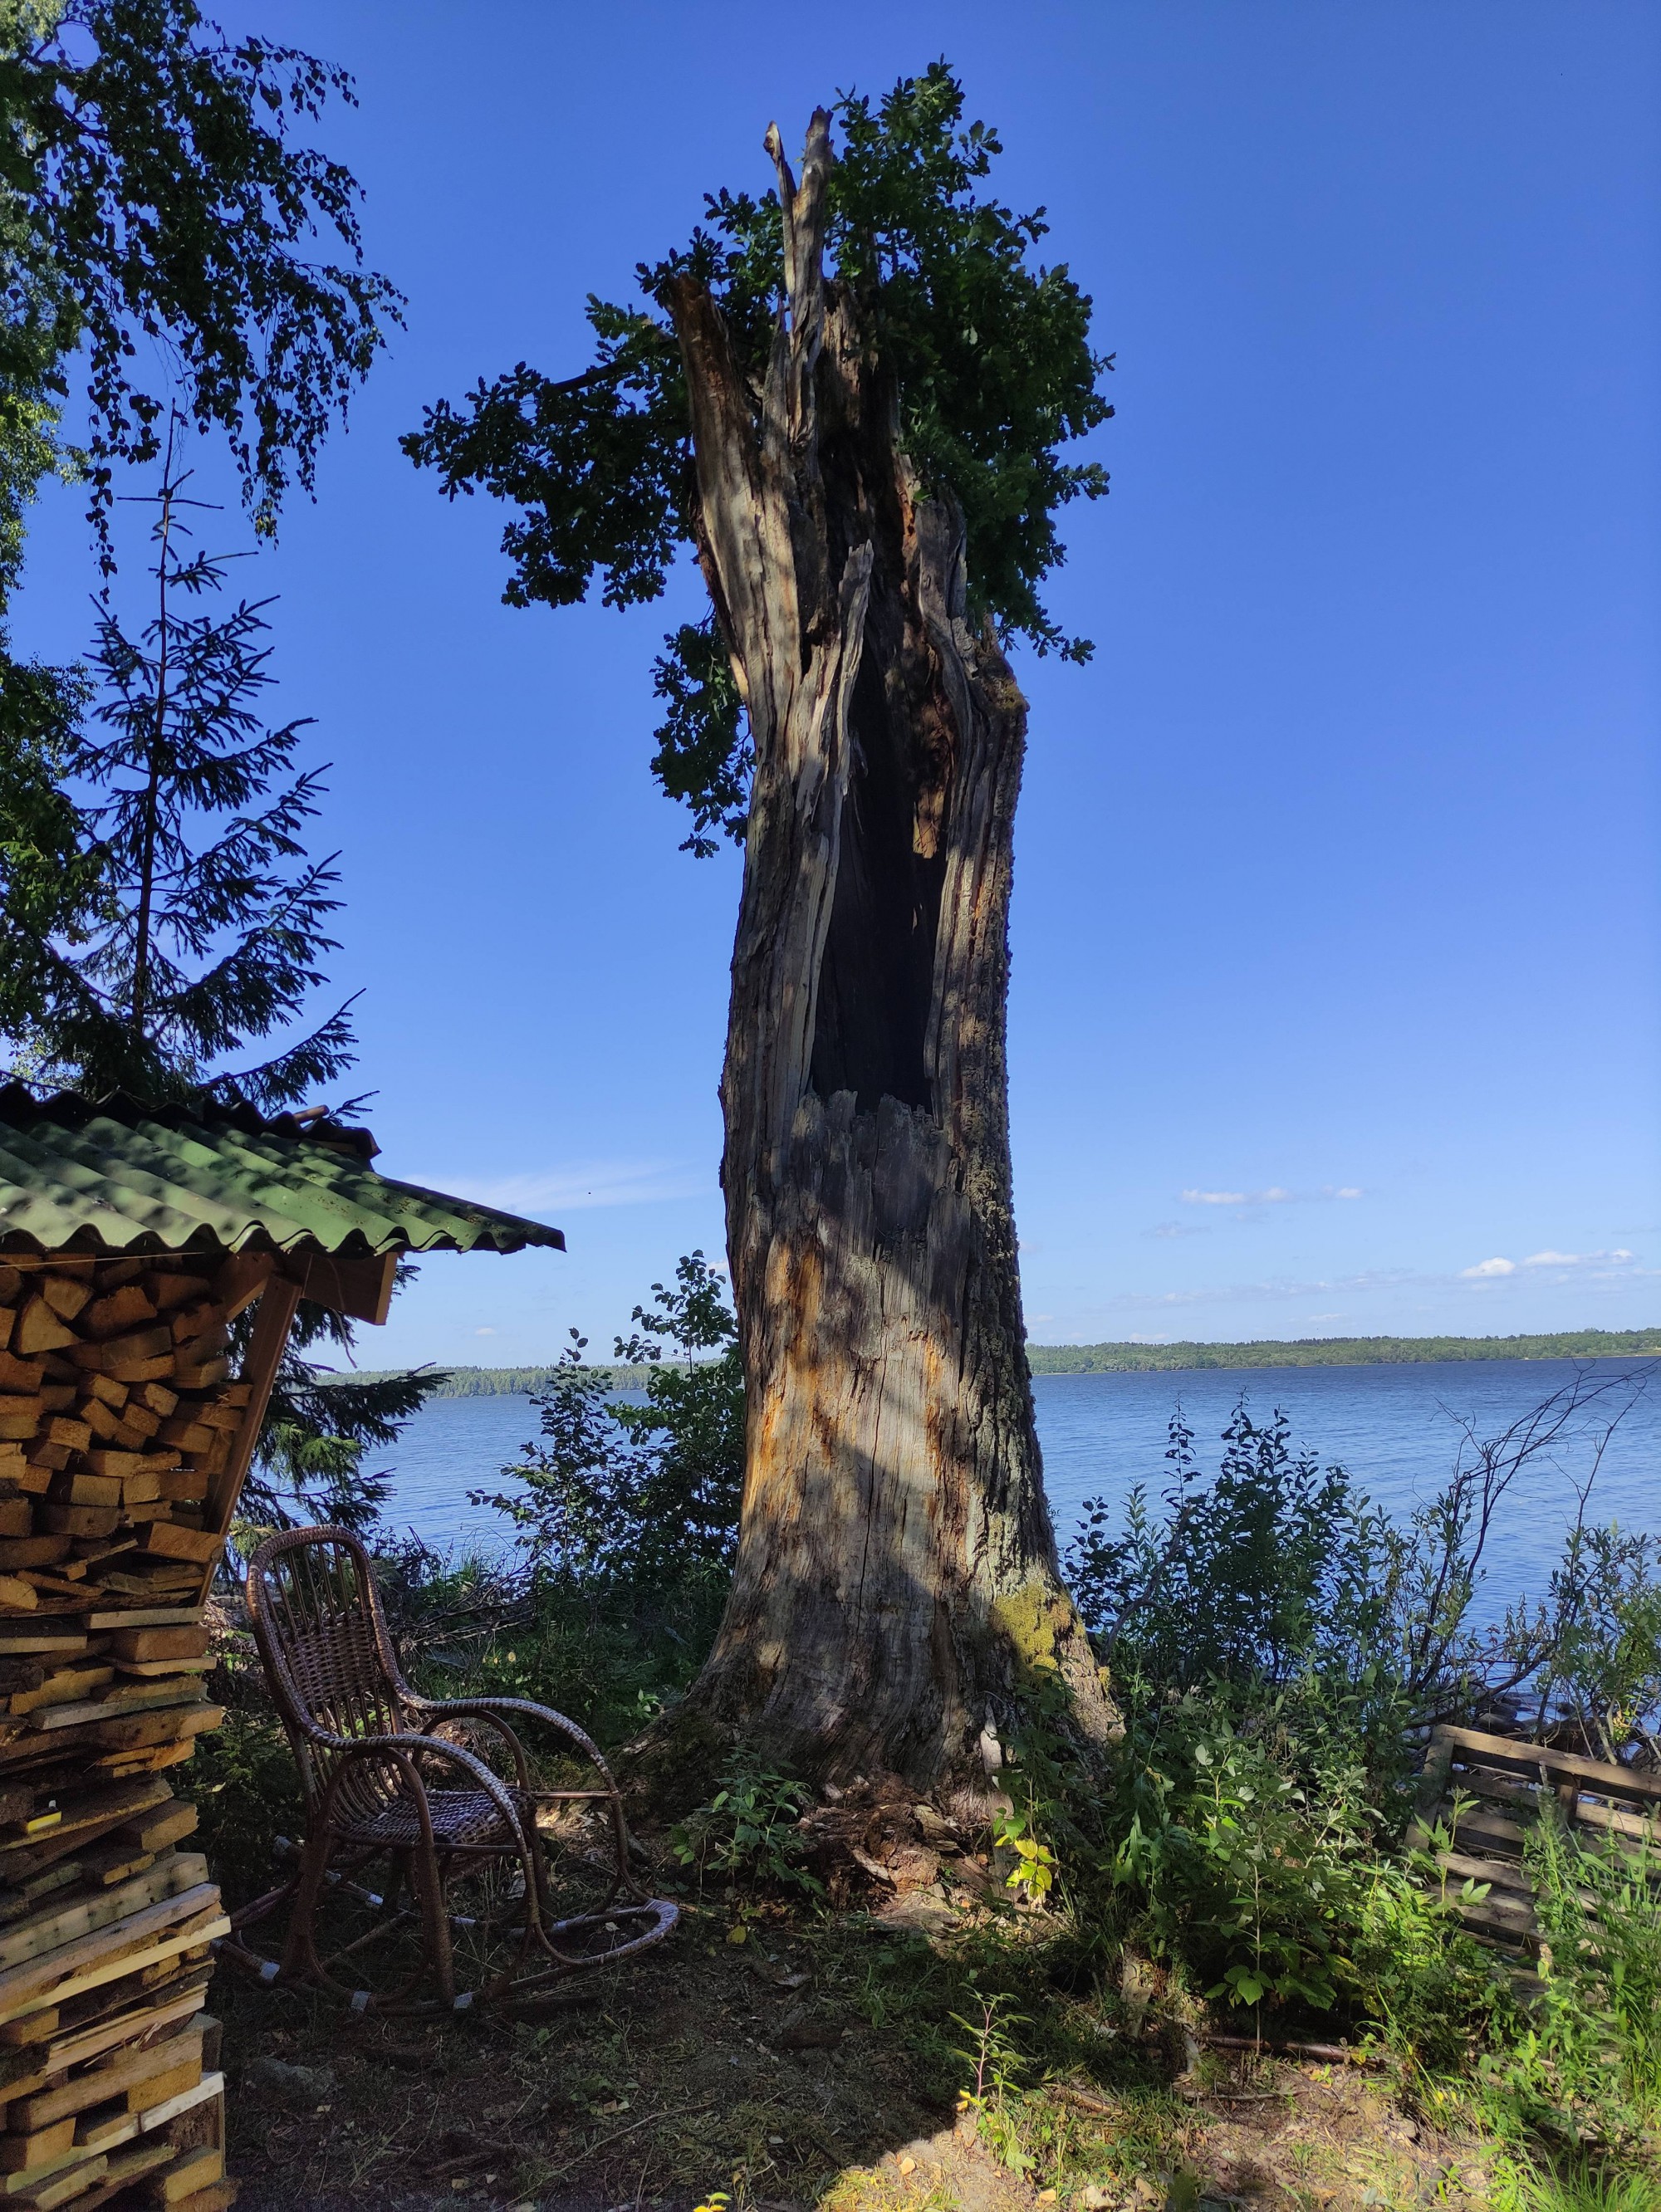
111	1175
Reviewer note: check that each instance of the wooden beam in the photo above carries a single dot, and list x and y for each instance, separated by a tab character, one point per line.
277	1302
360	1288
241	1279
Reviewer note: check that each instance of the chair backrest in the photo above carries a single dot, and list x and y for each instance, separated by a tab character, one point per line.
317	1620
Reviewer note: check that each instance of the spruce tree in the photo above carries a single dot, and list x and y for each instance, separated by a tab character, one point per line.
210	918
169	237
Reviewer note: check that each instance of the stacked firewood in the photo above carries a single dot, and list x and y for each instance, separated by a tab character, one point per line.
119	1437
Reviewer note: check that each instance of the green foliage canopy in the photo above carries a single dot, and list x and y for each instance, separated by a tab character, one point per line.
988	353
49	873
160	219
158	223
156	208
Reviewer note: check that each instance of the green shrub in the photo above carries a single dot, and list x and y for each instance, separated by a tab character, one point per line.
1278	1649
639	1493
1274	1569
1587	2067
1237	1876
1426	1988
625	1517
608	1654
1603	1675
749	1831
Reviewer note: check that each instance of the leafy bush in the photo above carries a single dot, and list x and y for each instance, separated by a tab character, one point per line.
609	1655
1274	1569
1278	1648
640	1492
626	1517
749	1831
1274	1590
607	1652
1238	1874
1603	1675
1279	1584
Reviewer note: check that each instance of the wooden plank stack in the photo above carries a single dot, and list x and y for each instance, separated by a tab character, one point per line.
123	1442
1484	1792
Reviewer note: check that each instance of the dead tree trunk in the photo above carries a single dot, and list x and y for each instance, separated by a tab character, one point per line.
897	1585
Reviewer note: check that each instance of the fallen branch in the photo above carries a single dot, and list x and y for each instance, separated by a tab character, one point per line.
652	2119
1235	2096
1086	2099
482	2150
1343	2054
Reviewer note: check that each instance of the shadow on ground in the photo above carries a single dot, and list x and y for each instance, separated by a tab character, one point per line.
812	2065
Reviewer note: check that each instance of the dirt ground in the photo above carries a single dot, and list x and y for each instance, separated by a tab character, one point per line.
813	2065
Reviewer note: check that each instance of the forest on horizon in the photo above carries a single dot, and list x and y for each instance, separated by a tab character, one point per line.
1131	1359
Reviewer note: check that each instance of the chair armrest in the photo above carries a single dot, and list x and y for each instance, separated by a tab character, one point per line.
492	1710
437	1711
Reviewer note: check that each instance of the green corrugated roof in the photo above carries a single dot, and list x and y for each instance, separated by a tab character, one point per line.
110	1174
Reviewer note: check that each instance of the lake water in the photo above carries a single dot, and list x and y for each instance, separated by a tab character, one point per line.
1396	1429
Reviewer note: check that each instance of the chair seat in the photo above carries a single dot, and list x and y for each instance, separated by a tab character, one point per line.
462	1819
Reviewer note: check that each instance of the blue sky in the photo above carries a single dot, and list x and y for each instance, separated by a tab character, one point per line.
1335	925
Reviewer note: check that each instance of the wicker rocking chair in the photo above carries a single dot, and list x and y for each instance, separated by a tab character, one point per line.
541	1875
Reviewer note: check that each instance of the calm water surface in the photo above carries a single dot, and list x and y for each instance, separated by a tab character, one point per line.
1396	1429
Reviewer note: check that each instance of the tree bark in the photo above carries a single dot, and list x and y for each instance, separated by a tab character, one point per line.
896	1594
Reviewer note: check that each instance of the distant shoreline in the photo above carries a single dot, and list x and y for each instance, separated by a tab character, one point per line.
1173	1358
1340	1352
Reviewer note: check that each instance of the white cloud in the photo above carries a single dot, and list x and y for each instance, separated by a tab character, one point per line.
1274	1195
1176	1229
483	1331
1577	1259
587	1184
1491	1270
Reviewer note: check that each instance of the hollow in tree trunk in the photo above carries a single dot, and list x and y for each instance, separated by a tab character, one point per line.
896	1590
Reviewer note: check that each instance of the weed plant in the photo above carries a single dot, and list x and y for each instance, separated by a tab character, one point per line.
749	1832
996	2063
1586	2068
246	1792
